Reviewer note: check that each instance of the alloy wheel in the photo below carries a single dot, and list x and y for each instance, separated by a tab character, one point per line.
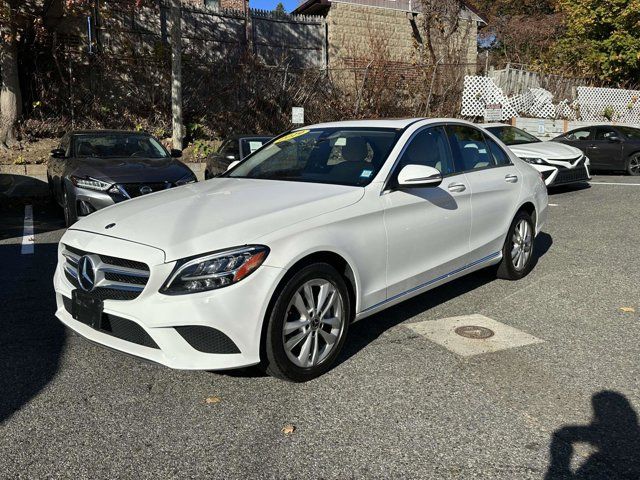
314	323
522	245
634	165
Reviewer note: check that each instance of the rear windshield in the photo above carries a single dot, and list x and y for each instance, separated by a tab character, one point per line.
250	145
105	145
630	132
341	156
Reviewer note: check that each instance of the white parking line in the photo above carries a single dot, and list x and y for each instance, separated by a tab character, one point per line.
615	183
28	238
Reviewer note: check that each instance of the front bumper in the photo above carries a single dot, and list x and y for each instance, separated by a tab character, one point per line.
236	311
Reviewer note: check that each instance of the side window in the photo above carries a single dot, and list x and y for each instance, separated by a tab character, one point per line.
603	133
578	134
64	145
499	155
469	148
429	147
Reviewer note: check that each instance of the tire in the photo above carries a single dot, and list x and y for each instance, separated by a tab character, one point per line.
70	216
633	165
514	266
52	191
296	349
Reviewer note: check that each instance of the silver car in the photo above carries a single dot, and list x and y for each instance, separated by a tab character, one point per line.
92	169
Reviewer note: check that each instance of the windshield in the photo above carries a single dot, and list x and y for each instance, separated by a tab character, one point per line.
512	135
341	156
630	132
105	145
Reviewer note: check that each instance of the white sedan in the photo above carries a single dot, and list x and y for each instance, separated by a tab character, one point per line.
325	225
558	163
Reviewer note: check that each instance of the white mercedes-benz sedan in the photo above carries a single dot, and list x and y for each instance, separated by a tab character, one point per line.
325	225
558	163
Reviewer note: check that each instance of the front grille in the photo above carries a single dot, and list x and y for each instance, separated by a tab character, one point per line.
114	278
567	175
136	189
119	327
575	162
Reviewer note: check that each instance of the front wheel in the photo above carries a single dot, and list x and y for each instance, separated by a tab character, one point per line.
70	216
517	252
308	324
633	165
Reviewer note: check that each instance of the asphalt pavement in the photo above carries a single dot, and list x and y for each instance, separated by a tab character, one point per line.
398	405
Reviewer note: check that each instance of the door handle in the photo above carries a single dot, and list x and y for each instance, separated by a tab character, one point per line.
457	187
511	178
592	146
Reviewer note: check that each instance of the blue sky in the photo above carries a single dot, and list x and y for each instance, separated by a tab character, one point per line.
271	4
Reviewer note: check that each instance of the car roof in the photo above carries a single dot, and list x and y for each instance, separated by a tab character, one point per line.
397	123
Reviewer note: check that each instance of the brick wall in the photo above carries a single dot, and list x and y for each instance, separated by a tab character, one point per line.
364	32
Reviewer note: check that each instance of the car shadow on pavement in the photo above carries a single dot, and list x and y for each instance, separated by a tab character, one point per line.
47	216
31	338
614	433
363	333
574	187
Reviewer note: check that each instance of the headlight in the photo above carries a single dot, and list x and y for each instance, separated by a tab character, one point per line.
538	161
90	183
188	178
215	270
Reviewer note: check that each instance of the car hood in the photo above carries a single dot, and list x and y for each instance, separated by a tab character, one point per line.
546	151
216	214
130	170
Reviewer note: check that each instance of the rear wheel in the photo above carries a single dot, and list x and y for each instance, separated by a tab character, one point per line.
308	324
633	165
517	253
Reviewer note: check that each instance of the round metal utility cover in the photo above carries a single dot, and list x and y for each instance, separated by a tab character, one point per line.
474	332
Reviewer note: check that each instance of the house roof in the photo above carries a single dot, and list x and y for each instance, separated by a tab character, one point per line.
316	7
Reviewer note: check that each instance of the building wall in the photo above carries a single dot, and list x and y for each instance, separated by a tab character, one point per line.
358	32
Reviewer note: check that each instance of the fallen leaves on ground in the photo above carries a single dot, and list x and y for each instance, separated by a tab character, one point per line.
628	309
213	399
288	429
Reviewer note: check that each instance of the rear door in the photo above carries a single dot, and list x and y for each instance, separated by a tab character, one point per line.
495	188
427	227
605	148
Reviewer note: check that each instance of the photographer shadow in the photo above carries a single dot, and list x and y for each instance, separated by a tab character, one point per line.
614	433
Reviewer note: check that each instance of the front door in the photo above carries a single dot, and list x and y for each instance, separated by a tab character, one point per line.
427	227
605	149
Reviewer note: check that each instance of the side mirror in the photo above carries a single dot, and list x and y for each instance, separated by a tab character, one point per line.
233	164
412	176
175	153
614	139
57	153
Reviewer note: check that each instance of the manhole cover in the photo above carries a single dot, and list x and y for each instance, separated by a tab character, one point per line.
475	332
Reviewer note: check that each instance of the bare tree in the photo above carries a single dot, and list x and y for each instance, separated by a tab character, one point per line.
444	27
176	75
10	97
